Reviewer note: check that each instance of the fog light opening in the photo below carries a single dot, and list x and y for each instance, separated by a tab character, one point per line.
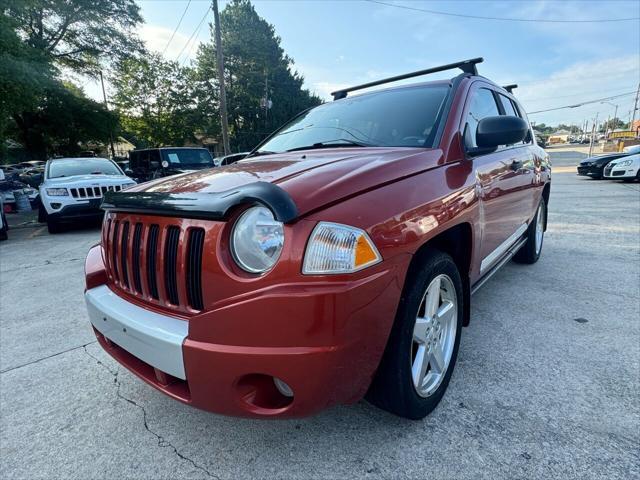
56	206
283	388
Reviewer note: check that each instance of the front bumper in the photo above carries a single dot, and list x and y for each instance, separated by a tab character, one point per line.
76	211
590	171
324	340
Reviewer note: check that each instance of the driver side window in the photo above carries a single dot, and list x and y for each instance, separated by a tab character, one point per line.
483	104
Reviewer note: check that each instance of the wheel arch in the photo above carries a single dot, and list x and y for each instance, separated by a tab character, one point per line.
457	242
546	193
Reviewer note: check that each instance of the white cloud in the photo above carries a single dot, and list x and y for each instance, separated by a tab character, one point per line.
579	82
156	38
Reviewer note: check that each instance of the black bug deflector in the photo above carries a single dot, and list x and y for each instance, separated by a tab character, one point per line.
204	206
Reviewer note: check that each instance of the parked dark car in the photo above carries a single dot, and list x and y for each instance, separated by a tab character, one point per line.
594	166
153	163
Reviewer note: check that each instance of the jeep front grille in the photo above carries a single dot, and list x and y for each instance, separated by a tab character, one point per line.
93	192
158	263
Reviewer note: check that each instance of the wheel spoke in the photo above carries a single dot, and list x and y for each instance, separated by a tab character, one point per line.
445	313
433	298
436	359
421	330
419	367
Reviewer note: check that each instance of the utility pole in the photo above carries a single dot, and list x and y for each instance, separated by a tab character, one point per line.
223	93
106	105
593	131
635	108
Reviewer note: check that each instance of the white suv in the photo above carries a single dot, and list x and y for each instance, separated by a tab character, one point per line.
72	188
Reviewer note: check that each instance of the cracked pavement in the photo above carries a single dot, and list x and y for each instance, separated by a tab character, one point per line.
547	382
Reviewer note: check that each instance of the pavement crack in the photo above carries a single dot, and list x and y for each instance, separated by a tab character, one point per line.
47	357
162	442
40	265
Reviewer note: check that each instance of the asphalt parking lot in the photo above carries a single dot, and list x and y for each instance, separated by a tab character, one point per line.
547	382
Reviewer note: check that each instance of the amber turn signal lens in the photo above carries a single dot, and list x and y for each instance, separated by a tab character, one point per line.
337	248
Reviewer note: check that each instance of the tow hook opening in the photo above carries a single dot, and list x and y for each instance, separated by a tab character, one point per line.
265	392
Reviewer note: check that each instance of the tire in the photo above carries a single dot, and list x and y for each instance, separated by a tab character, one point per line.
53	227
42	214
394	388
530	251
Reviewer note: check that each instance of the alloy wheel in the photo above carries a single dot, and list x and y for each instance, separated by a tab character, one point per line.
434	335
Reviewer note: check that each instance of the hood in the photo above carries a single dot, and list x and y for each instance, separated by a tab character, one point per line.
84	180
602	158
313	178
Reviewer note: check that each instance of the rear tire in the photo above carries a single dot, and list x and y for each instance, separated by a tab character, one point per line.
530	251
422	348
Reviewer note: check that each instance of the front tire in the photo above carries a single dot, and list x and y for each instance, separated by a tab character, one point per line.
53	227
530	251
423	345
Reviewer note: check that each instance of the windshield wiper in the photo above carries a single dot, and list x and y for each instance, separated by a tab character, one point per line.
259	153
342	142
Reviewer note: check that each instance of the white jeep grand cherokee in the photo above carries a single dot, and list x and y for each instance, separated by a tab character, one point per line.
72	189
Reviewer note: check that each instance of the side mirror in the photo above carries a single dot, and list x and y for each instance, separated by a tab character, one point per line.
500	130
165	164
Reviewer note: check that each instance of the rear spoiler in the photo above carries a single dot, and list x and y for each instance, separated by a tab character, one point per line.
204	206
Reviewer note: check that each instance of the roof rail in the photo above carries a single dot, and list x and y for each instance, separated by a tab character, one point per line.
467	66
510	88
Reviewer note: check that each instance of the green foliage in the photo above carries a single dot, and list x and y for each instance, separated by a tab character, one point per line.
63	120
155	99
24	74
78	34
255	65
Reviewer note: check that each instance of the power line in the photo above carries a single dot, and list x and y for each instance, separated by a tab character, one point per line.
525	99
190	49
584	103
177	27
197	29
502	19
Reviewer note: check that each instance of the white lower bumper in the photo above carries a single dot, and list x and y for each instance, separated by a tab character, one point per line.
153	338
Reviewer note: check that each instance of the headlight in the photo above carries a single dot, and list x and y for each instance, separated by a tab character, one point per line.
336	248
624	163
57	192
257	240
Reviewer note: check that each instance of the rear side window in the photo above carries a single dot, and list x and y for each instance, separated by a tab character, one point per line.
508	106
483	104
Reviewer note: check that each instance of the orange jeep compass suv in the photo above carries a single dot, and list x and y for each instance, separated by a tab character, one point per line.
336	261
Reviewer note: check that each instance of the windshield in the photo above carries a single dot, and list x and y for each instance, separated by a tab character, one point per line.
82	166
188	157
404	117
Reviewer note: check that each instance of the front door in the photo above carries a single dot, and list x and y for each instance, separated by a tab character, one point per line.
501	183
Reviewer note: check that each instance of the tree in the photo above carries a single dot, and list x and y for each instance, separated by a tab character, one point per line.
63	120
78	34
24	74
155	100
256	71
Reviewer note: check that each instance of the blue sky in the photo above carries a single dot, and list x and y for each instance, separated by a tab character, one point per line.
340	43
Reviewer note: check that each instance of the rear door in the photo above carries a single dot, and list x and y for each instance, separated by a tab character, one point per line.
500	177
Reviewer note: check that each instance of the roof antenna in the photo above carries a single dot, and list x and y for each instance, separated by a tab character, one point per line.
510	88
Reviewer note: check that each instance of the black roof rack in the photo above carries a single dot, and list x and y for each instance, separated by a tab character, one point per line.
510	88
467	66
